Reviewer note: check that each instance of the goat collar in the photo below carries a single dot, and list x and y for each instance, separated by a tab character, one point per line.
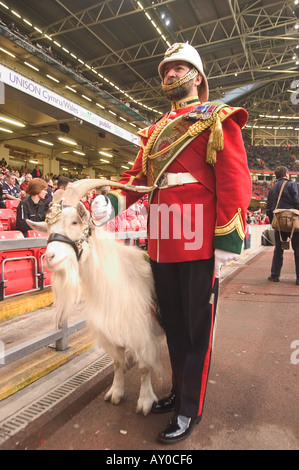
77	245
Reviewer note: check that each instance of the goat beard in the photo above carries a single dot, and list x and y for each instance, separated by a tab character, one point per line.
66	288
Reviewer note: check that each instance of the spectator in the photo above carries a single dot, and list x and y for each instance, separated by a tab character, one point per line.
49	195
10	190
289	199
104	190
32	207
87	199
28	178
2	202
63	182
36	172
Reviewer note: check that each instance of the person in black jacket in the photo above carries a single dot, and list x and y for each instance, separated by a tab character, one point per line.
32	207
36	172
289	200
2	202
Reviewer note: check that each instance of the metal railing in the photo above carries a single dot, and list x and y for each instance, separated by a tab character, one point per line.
22	245
59	337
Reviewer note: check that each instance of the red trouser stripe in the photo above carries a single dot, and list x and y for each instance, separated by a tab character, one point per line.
205	371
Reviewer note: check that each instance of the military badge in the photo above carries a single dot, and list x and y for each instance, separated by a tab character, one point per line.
201	112
54	212
173	49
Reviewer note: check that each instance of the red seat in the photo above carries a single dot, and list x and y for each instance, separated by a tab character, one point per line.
45	276
19	273
12	204
8	219
9	234
36	234
42	267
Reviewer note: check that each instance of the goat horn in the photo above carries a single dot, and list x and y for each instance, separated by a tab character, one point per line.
75	191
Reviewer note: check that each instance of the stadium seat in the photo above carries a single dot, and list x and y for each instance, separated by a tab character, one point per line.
18	270
8	219
45	275
11	234
12	204
36	234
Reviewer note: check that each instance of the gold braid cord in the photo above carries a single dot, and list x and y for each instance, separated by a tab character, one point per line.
189	76
150	143
215	142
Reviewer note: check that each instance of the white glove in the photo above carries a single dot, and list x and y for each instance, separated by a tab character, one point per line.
222	258
101	208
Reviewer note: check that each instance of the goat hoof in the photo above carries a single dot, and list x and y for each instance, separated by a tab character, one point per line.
143	409
115	399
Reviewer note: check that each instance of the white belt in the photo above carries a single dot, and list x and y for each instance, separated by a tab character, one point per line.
175	179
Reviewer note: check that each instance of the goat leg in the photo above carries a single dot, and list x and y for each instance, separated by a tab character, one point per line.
146	395
116	391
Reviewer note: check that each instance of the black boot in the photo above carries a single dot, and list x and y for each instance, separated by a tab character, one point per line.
179	428
164	405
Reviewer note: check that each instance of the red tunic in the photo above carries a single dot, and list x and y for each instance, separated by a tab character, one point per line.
187	222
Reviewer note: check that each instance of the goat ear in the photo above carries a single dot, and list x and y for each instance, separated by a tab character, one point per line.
83	213
39	226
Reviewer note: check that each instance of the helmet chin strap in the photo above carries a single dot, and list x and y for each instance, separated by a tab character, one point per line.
186	78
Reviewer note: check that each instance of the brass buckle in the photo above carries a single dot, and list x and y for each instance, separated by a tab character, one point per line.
162	182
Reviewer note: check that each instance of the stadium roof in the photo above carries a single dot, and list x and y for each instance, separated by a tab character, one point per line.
112	48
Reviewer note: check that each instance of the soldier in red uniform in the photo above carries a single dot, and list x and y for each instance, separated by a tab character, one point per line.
195	159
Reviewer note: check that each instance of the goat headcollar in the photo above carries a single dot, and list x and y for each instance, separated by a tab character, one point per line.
77	245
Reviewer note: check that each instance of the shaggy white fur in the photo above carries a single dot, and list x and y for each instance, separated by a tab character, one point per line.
115	288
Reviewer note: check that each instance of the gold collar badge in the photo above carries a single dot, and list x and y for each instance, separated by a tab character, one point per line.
54	212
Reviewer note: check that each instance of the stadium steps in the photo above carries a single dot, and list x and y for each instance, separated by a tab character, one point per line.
21	318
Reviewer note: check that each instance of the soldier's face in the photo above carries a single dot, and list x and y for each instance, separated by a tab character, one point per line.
173	72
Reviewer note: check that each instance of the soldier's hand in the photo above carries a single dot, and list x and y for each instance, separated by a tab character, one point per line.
223	258
101	209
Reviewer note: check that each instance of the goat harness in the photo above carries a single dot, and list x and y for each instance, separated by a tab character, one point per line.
76	245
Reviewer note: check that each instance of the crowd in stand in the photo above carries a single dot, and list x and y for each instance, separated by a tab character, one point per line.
260	190
18	185
262	157
33	193
257	217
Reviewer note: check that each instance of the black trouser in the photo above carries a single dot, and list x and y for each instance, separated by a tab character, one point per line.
277	260
187	294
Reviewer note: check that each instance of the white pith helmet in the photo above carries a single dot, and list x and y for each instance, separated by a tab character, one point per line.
187	53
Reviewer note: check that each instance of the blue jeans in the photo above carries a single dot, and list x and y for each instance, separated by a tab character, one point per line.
277	260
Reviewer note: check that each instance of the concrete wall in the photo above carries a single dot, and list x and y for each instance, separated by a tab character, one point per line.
256	236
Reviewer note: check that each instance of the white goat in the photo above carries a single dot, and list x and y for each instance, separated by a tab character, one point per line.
112	281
